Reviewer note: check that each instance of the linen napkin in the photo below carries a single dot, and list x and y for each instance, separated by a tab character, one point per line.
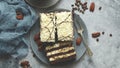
12	30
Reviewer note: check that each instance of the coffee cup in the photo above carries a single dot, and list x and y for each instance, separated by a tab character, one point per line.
42	3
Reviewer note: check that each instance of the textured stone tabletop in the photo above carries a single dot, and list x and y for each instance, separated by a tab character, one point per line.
107	50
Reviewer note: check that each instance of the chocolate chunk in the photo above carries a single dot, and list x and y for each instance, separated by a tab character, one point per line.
37	37
19	15
25	64
97	40
72	5
100	8
110	35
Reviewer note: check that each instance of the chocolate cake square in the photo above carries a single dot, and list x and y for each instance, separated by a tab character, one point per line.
56	26
60	52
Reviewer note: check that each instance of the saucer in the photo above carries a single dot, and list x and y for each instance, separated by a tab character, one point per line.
44	4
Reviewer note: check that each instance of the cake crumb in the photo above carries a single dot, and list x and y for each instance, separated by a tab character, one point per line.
97	40
100	8
103	33
33	55
110	35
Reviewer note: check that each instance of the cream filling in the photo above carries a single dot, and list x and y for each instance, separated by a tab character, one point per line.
51	47
57	45
61	56
63	50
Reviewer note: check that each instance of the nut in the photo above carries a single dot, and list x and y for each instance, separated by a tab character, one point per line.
78	40
92	7
95	34
38	42
97	40
25	64
19	15
37	36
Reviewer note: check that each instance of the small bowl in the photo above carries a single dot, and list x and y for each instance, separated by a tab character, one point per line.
42	3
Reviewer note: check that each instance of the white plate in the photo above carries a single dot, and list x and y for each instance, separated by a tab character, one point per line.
80	50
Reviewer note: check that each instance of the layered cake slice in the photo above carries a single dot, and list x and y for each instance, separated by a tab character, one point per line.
56	26
60	52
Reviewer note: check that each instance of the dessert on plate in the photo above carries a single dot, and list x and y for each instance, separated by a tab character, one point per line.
56	26
56	30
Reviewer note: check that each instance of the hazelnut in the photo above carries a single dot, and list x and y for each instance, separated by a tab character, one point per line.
37	37
95	34
25	64
92	7
100	8
19	15
78	40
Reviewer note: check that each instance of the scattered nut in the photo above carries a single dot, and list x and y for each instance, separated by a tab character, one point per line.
40	48
37	36
25	64
19	15
95	34
92	7
78	40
